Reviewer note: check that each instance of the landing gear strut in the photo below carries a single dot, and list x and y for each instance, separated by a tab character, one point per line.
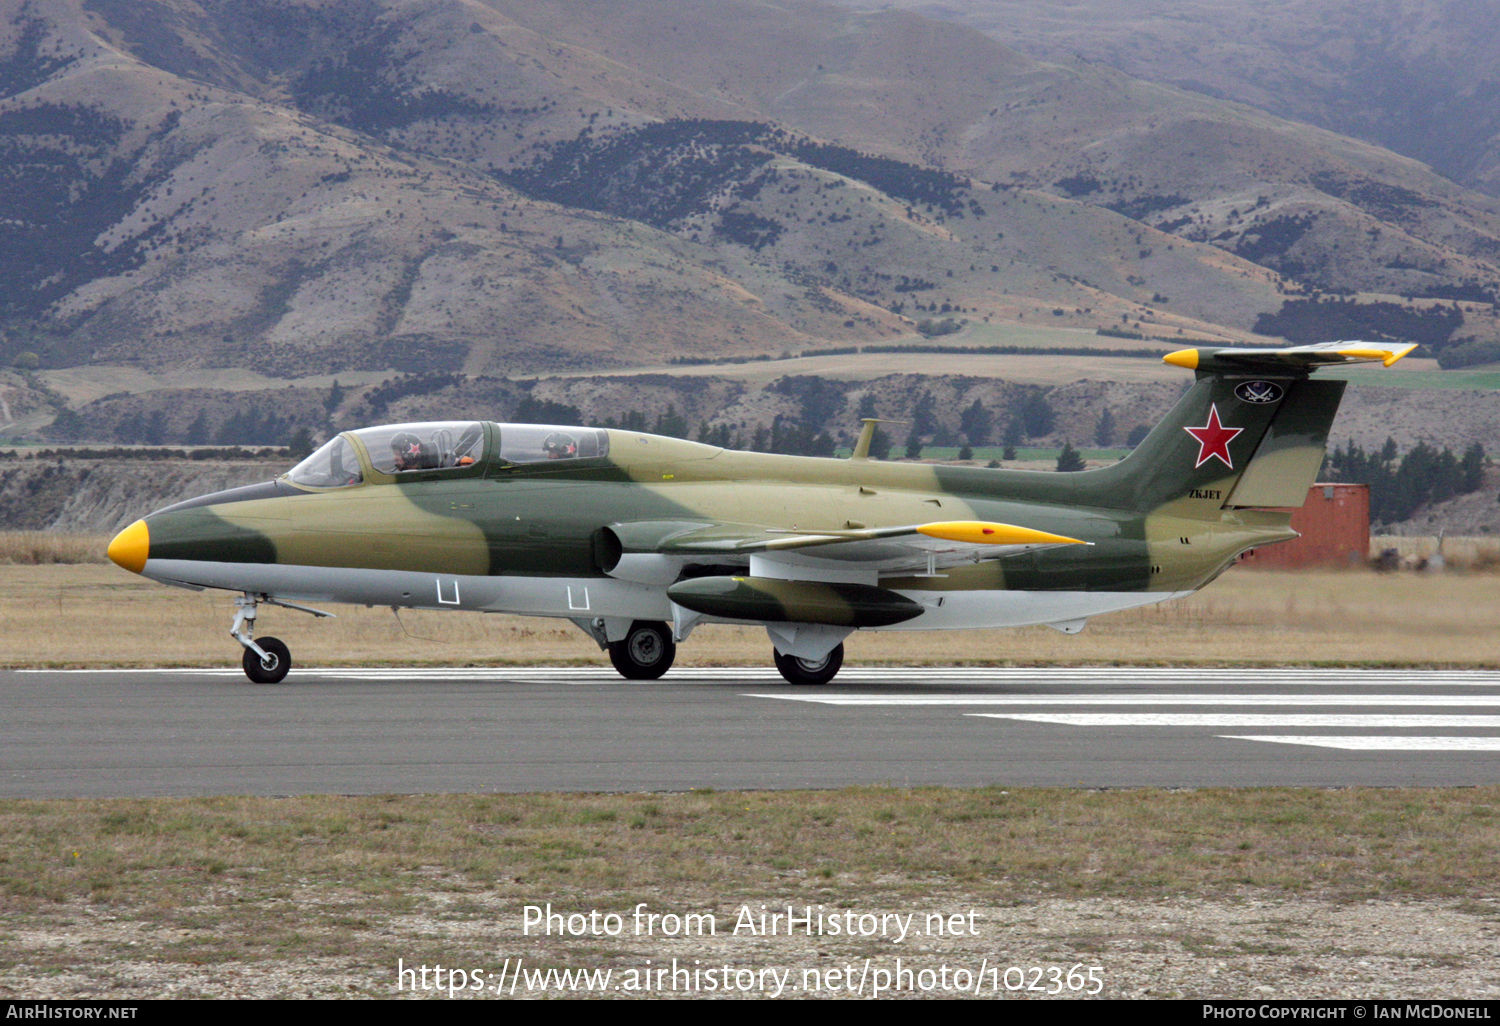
645	653
266	661
810	671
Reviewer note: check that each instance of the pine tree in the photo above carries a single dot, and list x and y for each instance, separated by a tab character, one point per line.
672	424
1036	415
1104	431
1068	461
155	431
301	443
976	423
197	432
1471	468
923	415
1012	438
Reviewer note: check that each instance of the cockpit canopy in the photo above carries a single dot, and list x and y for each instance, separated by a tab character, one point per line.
533	443
396	449
334	465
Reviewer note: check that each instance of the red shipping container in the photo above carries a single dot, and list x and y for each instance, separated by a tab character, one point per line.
1334	522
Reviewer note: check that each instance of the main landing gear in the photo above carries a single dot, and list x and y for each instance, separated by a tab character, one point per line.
810	671
645	653
647	648
268	660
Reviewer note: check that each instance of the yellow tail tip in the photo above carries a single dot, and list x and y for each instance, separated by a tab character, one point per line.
1183	358
131	546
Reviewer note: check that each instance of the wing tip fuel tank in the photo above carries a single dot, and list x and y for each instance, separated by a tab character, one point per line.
979	532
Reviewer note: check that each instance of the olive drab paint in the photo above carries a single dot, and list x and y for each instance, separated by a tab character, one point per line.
638	538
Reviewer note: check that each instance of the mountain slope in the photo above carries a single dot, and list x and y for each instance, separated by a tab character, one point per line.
304	187
1418	77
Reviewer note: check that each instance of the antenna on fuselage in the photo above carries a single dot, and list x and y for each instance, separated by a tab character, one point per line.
867	435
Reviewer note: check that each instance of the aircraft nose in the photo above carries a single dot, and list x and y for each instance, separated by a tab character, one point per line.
131	546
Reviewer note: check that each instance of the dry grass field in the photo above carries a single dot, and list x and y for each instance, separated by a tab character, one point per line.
1218	893
54	612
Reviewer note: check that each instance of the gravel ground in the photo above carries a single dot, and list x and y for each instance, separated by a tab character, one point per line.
1249	948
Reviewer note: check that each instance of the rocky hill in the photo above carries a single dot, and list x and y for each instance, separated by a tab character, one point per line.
102	496
1415	76
501	187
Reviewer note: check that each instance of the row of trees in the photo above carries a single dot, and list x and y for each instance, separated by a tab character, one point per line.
1400	485
244	428
1030	416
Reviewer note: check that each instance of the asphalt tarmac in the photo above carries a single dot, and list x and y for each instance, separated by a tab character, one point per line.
100	733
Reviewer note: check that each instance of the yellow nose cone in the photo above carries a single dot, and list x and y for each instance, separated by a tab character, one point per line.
131	546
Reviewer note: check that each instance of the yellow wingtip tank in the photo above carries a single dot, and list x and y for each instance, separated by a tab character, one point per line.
1385	356
980	532
130	547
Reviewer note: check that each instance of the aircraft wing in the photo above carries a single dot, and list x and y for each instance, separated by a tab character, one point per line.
886	549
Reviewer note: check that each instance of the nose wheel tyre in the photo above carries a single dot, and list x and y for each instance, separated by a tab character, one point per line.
810	671
645	653
274	668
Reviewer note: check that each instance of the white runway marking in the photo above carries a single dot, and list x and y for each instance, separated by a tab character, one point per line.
1379	744
1244	720
1038	688
1151	699
1032	676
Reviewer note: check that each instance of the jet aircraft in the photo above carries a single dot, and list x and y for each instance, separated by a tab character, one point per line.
637	538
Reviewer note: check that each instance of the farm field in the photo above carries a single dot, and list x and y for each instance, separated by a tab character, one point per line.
92	614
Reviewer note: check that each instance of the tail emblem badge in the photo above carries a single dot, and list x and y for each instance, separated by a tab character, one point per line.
1258	391
1213	439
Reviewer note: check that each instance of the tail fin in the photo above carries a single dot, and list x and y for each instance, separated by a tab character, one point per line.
1250	432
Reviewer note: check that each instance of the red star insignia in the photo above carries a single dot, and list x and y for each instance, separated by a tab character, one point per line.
1213	439
414	449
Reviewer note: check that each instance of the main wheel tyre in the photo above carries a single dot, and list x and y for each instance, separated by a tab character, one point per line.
810	671
645	653
274	669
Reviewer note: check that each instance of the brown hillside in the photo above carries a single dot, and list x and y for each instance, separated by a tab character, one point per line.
301	187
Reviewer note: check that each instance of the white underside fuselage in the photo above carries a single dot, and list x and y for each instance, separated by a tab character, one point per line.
605	597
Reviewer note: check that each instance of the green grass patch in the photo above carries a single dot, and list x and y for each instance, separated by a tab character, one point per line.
1449	380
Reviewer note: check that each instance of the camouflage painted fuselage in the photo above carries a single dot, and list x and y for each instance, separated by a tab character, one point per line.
602	536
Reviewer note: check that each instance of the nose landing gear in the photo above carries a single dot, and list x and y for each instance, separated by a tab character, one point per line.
266	661
270	668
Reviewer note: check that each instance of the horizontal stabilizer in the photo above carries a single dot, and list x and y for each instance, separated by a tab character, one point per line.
1290	358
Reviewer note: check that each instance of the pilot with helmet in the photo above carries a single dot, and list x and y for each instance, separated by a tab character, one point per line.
560	446
411	453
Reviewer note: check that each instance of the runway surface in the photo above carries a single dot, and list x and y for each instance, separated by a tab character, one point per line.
372	731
